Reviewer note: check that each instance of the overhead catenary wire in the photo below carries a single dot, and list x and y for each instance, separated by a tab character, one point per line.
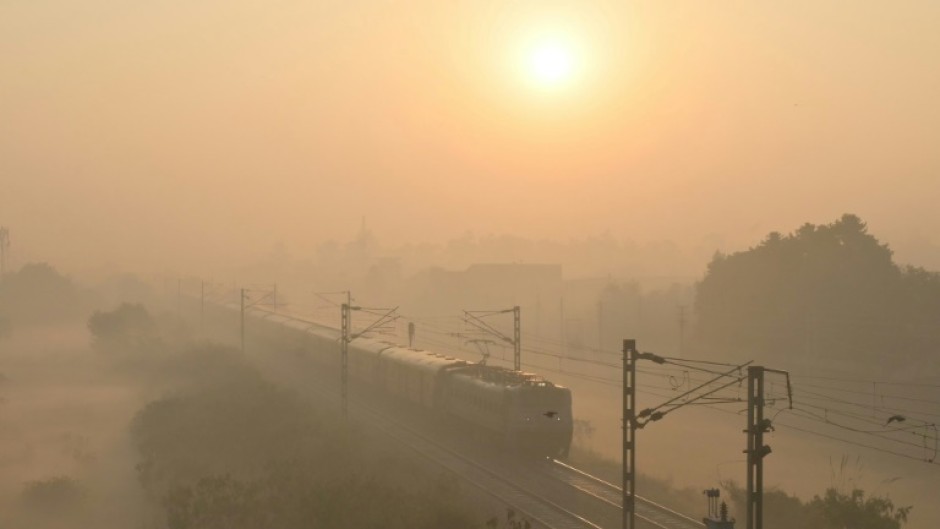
870	394
681	365
879	434
855	443
867	381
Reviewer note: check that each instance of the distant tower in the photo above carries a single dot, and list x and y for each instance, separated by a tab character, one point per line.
4	249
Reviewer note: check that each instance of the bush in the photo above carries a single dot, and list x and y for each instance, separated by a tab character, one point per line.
300	497
839	509
236	428
61	494
238	452
128	326
834	510
38	294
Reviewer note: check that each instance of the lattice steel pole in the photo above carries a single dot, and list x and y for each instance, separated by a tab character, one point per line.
344	359
243	296
4	246
517	338
755	447
202	306
629	434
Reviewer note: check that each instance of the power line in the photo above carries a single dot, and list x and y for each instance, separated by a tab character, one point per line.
854	443
865	381
873	394
683	366
874	433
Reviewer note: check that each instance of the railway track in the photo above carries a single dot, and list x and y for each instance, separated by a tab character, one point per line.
550	493
646	510
520	486
533	505
542	511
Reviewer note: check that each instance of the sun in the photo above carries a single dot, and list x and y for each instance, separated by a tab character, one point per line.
550	63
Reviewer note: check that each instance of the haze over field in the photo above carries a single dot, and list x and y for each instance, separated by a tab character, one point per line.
189	136
208	210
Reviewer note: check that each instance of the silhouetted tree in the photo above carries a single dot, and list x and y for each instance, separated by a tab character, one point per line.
834	510
60	492
37	293
829	291
238	452
127	325
854	510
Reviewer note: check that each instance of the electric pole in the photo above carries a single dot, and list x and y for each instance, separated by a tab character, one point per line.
244	306
344	358
517	338
633	420
179	296
411	335
4	247
243	295
475	319
756	450
202	305
346	336
628	500
757	426
682	322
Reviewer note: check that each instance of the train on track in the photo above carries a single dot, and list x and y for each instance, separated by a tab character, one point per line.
519	410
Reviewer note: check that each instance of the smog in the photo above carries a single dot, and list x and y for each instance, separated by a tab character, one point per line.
469	265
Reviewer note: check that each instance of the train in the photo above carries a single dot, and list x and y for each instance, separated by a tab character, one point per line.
519	411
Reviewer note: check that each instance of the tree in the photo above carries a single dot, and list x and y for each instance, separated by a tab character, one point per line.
238	452
127	325
838	509
829	291
834	510
36	294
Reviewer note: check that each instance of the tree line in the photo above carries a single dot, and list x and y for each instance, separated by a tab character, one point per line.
828	292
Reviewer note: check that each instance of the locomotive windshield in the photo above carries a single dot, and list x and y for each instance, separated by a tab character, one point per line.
545	399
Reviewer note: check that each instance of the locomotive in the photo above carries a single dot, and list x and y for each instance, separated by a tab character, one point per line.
520	411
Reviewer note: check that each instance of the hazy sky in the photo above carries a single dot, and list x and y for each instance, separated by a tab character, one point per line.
183	134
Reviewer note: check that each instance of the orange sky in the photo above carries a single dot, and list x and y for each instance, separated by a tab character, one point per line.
188	134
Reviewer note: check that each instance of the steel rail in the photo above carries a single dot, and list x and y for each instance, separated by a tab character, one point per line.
510	491
647	510
534	506
539	509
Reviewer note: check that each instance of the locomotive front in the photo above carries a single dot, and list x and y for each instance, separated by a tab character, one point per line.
539	420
